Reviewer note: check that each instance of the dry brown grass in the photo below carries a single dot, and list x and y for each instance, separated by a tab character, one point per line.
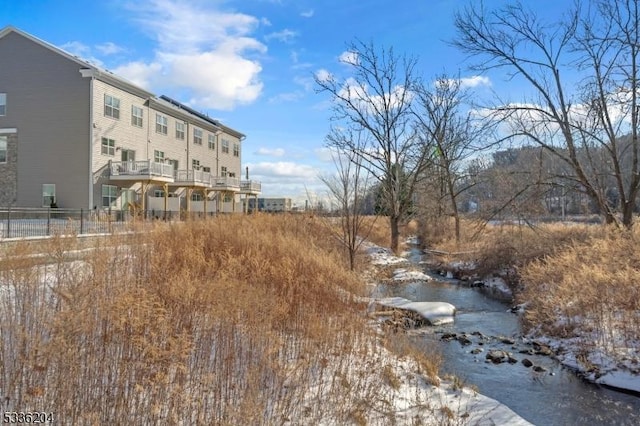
237	320
507	246
591	288
578	279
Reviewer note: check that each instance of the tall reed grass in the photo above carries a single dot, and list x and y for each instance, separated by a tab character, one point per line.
591	288
236	320
578	280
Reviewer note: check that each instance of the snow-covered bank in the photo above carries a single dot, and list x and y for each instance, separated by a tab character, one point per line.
436	313
611	361
583	355
444	403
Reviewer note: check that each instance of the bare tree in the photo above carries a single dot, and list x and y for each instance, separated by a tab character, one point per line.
582	128
348	189
376	98
451	135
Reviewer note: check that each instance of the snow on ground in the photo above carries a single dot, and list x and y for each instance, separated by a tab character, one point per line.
582	355
381	255
499	285
397	393
409	275
437	313
464	406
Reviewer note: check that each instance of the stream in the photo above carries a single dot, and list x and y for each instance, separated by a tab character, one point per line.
556	396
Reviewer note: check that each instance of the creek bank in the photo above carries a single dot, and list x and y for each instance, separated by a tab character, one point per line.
468	405
580	354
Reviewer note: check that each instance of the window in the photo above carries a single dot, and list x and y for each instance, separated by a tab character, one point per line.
212	142
196	196
158	193
158	156
197	136
49	195
108	146
3	149
225	146
136	116
174	163
236	150
195	164
109	195
3	104
161	124
111	106
206	169
128	155
223	171
179	130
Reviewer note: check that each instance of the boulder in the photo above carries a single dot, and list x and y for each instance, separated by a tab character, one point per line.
464	340
527	362
497	356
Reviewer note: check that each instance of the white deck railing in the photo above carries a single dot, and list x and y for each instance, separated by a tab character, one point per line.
250	186
225	182
193	176
141	168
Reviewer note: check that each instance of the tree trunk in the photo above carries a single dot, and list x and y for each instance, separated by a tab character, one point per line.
394	223
627	214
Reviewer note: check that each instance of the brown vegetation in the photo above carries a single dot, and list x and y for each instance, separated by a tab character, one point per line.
577	279
237	320
590	288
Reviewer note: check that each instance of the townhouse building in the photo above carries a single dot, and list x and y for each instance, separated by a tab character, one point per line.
73	135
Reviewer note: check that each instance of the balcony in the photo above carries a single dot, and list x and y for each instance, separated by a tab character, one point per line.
192	178
141	170
250	187
225	183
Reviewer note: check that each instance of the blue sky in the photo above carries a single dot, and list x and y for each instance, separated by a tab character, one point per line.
250	63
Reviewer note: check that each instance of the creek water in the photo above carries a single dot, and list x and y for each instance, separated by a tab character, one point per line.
554	397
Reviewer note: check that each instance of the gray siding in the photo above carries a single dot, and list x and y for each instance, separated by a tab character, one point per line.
48	103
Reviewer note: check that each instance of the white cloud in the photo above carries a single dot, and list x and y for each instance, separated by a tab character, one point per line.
286	97
359	94
82	51
280	169
272	152
204	52
307	13
325	154
475	81
323	75
350	58
139	73
109	48
284	36
77	48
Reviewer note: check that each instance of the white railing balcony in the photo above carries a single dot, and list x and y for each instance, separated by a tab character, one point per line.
145	169
193	177
225	183
250	187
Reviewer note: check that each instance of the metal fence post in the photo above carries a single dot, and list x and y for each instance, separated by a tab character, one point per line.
82	221
48	220
9	221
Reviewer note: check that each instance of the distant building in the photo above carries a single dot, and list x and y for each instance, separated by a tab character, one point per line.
77	136
270	205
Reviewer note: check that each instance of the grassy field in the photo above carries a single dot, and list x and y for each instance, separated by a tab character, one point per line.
237	320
